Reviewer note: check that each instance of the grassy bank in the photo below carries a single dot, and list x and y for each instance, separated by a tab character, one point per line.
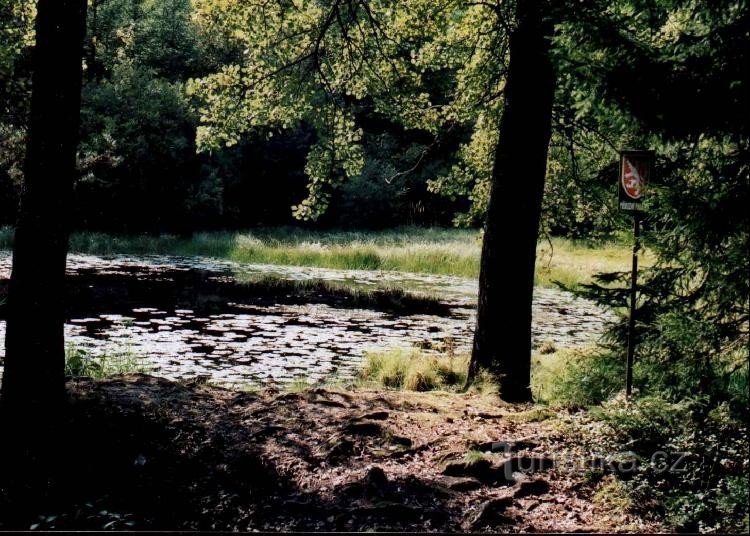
408	249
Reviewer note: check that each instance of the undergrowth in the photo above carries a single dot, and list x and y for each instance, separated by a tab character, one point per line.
691	451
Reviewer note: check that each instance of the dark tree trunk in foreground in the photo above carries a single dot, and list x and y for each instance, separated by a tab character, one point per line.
502	340
33	382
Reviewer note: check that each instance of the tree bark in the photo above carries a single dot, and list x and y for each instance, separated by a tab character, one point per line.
33	381
502	339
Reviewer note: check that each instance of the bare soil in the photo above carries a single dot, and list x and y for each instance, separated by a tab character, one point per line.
140	452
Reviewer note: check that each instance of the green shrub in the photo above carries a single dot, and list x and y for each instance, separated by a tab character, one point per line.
693	460
647	423
577	377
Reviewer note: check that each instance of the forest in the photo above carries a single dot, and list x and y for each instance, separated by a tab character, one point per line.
402	221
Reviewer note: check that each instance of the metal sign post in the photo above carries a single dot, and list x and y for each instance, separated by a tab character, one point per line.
635	173
631	319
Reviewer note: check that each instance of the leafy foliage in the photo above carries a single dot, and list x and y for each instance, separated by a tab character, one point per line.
692	462
692	318
325	64
693	312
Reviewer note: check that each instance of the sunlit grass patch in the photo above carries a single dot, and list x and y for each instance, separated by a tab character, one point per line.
82	363
575	377
414	370
574	262
445	251
613	495
411	249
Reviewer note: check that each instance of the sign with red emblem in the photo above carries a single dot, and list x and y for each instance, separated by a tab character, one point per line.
635	174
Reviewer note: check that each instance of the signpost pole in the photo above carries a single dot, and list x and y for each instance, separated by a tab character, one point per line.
631	319
635	174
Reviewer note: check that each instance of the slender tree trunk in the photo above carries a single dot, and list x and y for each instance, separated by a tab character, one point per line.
502	339
33	381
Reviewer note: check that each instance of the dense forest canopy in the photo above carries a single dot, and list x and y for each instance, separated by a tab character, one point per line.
422	105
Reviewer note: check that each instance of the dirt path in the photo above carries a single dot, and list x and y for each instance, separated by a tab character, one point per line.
144	452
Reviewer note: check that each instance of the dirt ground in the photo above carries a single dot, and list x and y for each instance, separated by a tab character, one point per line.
145	453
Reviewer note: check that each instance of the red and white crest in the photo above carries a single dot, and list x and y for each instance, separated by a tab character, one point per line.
634	176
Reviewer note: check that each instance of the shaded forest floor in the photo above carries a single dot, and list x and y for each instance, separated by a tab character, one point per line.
141	452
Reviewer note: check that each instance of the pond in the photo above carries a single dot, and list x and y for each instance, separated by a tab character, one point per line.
222	321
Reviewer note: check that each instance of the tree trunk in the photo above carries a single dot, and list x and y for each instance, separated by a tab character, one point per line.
502	340
33	381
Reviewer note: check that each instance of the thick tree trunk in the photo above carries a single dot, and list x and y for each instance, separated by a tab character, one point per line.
33	381
502	340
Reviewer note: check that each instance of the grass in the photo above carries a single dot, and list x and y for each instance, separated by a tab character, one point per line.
80	363
413	369
575	377
444	251
613	495
574	262
407	249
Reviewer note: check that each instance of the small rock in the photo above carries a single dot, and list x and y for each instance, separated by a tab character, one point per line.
492	513
461	468
400	440
481	469
462	483
376	480
531	487
365	428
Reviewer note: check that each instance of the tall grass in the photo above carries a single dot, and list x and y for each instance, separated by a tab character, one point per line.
80	363
412	369
443	251
439	251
